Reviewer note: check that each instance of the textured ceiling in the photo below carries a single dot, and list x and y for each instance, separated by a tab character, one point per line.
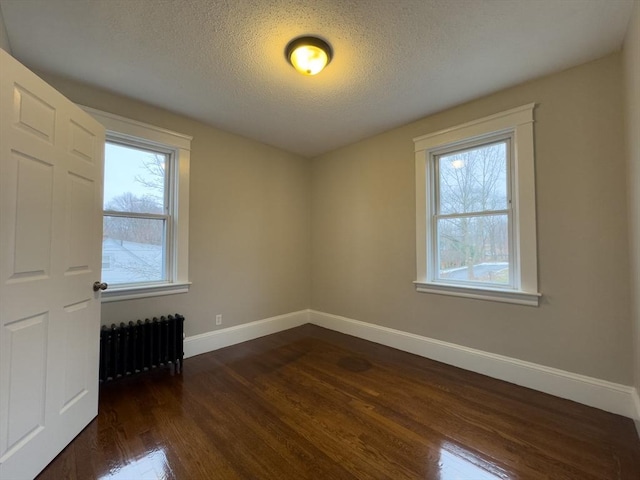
222	61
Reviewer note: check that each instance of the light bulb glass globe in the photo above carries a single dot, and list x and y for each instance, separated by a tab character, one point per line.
308	55
308	59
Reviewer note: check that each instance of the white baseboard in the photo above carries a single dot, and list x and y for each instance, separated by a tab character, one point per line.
209	341
608	396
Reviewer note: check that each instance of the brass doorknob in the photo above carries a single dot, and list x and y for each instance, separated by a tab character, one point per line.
99	286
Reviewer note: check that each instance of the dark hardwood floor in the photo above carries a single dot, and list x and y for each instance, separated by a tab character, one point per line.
309	403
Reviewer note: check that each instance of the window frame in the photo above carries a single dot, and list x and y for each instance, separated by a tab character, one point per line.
435	212
169	206
517	124
132	133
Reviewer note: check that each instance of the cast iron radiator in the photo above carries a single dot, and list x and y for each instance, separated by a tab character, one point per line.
137	347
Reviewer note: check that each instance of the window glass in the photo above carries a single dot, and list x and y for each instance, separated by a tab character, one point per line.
472	221
134	179
135	215
474	180
474	249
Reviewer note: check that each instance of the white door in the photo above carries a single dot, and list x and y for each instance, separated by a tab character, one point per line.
51	156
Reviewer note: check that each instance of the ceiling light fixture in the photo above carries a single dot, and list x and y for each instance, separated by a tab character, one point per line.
308	55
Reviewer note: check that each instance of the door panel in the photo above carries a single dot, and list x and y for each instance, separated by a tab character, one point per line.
27	378
80	222
51	156
76	361
34	204
33	114
82	143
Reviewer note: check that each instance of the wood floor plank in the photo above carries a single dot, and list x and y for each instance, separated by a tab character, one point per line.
309	403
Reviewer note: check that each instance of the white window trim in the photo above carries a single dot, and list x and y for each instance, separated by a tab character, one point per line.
127	129
519	121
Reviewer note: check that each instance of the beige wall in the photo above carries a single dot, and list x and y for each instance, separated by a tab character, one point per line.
363	231
631	62
249	223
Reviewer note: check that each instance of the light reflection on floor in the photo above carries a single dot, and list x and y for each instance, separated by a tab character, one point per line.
151	466
457	463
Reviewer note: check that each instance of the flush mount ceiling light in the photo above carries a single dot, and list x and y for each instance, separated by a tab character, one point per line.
308	55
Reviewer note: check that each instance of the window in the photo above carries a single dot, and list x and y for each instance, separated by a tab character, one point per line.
475	210
138	215
145	209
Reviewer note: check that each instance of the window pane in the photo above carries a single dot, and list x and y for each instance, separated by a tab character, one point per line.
134	247
134	179
474	180
474	249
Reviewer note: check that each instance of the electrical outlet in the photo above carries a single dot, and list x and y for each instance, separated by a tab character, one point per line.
219	319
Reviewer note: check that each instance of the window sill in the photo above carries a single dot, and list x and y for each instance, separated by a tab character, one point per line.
496	295
143	291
